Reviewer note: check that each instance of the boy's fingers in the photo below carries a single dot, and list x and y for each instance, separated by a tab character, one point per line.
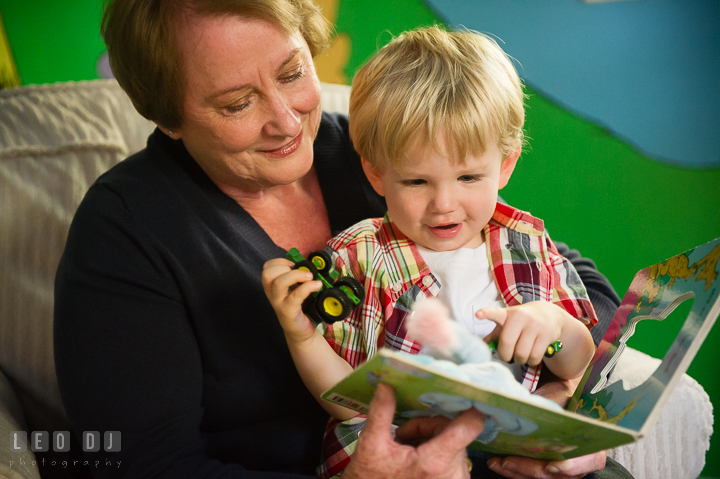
277	262
304	290
272	270
493	335
284	281
507	342
496	315
538	352
525	349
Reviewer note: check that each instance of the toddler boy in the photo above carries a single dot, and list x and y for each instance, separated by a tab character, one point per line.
437	118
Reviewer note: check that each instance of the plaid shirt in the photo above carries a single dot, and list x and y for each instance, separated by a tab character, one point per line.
524	262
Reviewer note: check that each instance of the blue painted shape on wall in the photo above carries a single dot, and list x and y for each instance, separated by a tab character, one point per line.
649	70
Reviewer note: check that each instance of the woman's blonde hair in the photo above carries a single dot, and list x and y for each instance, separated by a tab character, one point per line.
429	82
141	40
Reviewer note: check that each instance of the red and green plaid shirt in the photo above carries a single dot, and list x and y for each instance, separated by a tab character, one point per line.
525	264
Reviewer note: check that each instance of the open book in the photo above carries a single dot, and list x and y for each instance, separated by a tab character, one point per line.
596	418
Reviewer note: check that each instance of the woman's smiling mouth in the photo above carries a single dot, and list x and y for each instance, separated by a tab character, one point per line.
286	149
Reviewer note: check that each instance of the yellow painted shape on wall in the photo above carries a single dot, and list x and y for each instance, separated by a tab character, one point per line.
8	73
330	65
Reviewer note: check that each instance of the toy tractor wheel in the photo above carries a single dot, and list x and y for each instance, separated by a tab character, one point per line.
333	305
321	260
552	349
309	307
353	285
306	265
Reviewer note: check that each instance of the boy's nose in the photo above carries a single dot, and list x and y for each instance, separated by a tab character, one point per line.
444	201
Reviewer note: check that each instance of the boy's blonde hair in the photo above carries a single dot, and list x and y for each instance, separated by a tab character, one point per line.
428	82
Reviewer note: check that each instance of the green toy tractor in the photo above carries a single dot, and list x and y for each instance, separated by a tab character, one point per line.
338	296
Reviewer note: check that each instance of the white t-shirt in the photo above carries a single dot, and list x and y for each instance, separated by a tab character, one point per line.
467	284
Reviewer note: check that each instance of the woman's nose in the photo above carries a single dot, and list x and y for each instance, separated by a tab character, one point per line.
282	119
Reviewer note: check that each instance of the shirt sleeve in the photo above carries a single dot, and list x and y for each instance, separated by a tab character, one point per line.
350	338
604	298
127	358
568	289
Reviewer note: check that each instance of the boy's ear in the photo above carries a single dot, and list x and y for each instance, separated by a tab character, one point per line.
374	176
507	168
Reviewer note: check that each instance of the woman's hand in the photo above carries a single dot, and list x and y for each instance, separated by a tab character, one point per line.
441	456
527	468
560	391
287	288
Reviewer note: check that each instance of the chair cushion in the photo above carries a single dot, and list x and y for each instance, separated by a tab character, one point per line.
676	445
55	140
13	465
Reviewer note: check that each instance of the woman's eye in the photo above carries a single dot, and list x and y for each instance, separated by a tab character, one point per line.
237	108
293	77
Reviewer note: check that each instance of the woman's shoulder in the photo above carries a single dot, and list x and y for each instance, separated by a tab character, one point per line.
160	157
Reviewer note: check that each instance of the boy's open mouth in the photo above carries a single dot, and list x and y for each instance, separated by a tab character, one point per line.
449	230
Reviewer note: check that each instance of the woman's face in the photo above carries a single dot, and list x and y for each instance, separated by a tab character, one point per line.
252	102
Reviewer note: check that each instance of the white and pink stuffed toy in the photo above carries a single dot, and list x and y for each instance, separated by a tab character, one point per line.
449	348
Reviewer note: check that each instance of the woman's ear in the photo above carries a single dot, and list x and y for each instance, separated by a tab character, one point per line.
508	166
173	134
374	176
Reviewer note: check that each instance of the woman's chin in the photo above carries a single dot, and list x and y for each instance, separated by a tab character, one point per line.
291	172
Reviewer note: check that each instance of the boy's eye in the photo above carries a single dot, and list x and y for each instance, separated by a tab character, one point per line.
469	178
413	182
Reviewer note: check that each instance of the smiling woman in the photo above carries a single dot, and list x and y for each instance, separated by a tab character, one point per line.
251	106
170	243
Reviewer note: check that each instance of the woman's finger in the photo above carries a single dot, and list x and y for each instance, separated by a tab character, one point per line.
417	431
380	414
580	466
459	433
520	468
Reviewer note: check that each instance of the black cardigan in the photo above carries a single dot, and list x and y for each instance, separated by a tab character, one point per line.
162	329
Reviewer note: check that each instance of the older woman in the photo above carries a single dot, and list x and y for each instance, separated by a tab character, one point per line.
162	330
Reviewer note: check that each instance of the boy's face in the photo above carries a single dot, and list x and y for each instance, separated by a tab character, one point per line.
439	204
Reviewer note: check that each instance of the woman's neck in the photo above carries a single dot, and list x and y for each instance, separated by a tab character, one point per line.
292	215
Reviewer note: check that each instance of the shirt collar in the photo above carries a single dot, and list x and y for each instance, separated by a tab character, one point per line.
518	220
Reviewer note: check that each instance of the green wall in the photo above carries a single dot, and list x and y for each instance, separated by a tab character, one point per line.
54	40
594	191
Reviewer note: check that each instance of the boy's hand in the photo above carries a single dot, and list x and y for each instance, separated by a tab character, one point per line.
287	288
524	331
